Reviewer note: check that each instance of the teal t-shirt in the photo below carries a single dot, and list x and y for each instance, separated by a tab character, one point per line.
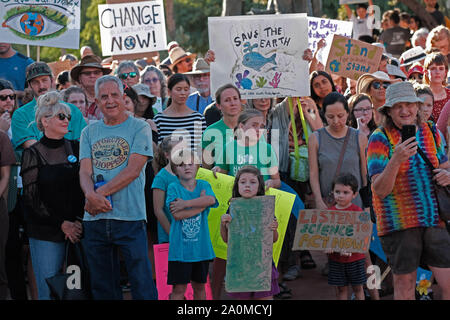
261	155
215	137
109	148
162	181
189	239
24	128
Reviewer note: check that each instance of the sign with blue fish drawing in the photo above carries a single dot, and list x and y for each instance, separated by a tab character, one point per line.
261	55
40	23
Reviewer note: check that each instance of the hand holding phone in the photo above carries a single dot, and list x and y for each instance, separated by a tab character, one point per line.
408	131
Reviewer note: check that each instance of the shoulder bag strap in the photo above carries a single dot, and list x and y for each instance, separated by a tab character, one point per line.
341	156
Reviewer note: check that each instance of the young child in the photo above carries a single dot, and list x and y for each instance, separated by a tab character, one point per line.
190	248
249	183
346	268
160	184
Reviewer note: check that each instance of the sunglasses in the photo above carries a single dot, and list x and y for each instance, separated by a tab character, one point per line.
10	96
90	73
152	80
377	85
62	116
126	75
416	76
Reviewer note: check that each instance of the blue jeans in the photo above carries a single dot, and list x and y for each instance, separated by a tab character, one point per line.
47	258
102	240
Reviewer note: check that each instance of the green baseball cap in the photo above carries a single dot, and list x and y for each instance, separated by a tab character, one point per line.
37	69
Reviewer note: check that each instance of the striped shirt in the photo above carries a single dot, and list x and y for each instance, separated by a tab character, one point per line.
412	202
190	127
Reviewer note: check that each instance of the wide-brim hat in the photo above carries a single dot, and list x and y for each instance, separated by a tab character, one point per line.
395	71
90	61
177	55
412	55
143	90
200	67
400	92
362	86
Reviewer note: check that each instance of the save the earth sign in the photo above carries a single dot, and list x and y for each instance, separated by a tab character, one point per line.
261	55
51	23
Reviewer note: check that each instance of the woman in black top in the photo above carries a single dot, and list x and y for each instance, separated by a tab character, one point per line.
51	190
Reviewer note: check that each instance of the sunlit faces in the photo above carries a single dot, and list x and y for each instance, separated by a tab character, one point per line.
322	86
180	92
364	111
426	108
437	73
336	116
403	113
248	185
251	130
343	195
7	100
78	99
184	65
377	93
230	103
442	44
110	100
361	12
56	126
88	76
40	85
202	82
152	81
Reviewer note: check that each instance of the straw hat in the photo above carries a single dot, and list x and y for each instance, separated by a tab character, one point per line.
177	55
362	86
399	92
200	67
412	55
90	61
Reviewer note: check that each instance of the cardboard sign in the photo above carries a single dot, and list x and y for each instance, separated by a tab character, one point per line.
60	66
222	187
250	243
161	252
133	27
261	55
322	28
41	23
351	58
348	231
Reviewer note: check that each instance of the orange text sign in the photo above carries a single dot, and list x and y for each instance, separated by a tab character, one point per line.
348	231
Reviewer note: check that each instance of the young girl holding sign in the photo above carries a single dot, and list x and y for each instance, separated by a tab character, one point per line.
190	248
346	268
249	183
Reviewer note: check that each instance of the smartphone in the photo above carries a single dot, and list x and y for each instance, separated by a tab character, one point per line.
408	131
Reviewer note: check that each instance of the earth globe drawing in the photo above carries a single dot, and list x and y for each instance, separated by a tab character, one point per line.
32	23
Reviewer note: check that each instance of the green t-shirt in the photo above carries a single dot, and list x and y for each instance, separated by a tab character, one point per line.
215	137
261	155
24	128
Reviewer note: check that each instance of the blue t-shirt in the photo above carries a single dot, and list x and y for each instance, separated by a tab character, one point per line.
13	69
109	148
197	103
162	181
24	128
189	238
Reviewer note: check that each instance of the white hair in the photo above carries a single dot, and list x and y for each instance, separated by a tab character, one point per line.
108	78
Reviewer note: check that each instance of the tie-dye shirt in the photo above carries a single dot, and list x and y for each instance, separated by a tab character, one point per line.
412	202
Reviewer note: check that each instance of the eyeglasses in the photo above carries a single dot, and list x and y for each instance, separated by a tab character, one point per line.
10	96
62	116
362	110
377	85
90	73
151	80
126	75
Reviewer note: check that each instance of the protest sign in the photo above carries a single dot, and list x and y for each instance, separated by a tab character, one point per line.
322	28
348	231
161	252
261	55
222	187
132	27
351	58
250	243
60	66
40	23
352	1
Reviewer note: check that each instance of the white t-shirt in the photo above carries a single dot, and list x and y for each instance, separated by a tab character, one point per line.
360	27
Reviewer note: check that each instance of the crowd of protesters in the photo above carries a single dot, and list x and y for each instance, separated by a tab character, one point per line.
105	154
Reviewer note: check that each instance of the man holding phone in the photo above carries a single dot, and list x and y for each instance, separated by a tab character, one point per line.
408	222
